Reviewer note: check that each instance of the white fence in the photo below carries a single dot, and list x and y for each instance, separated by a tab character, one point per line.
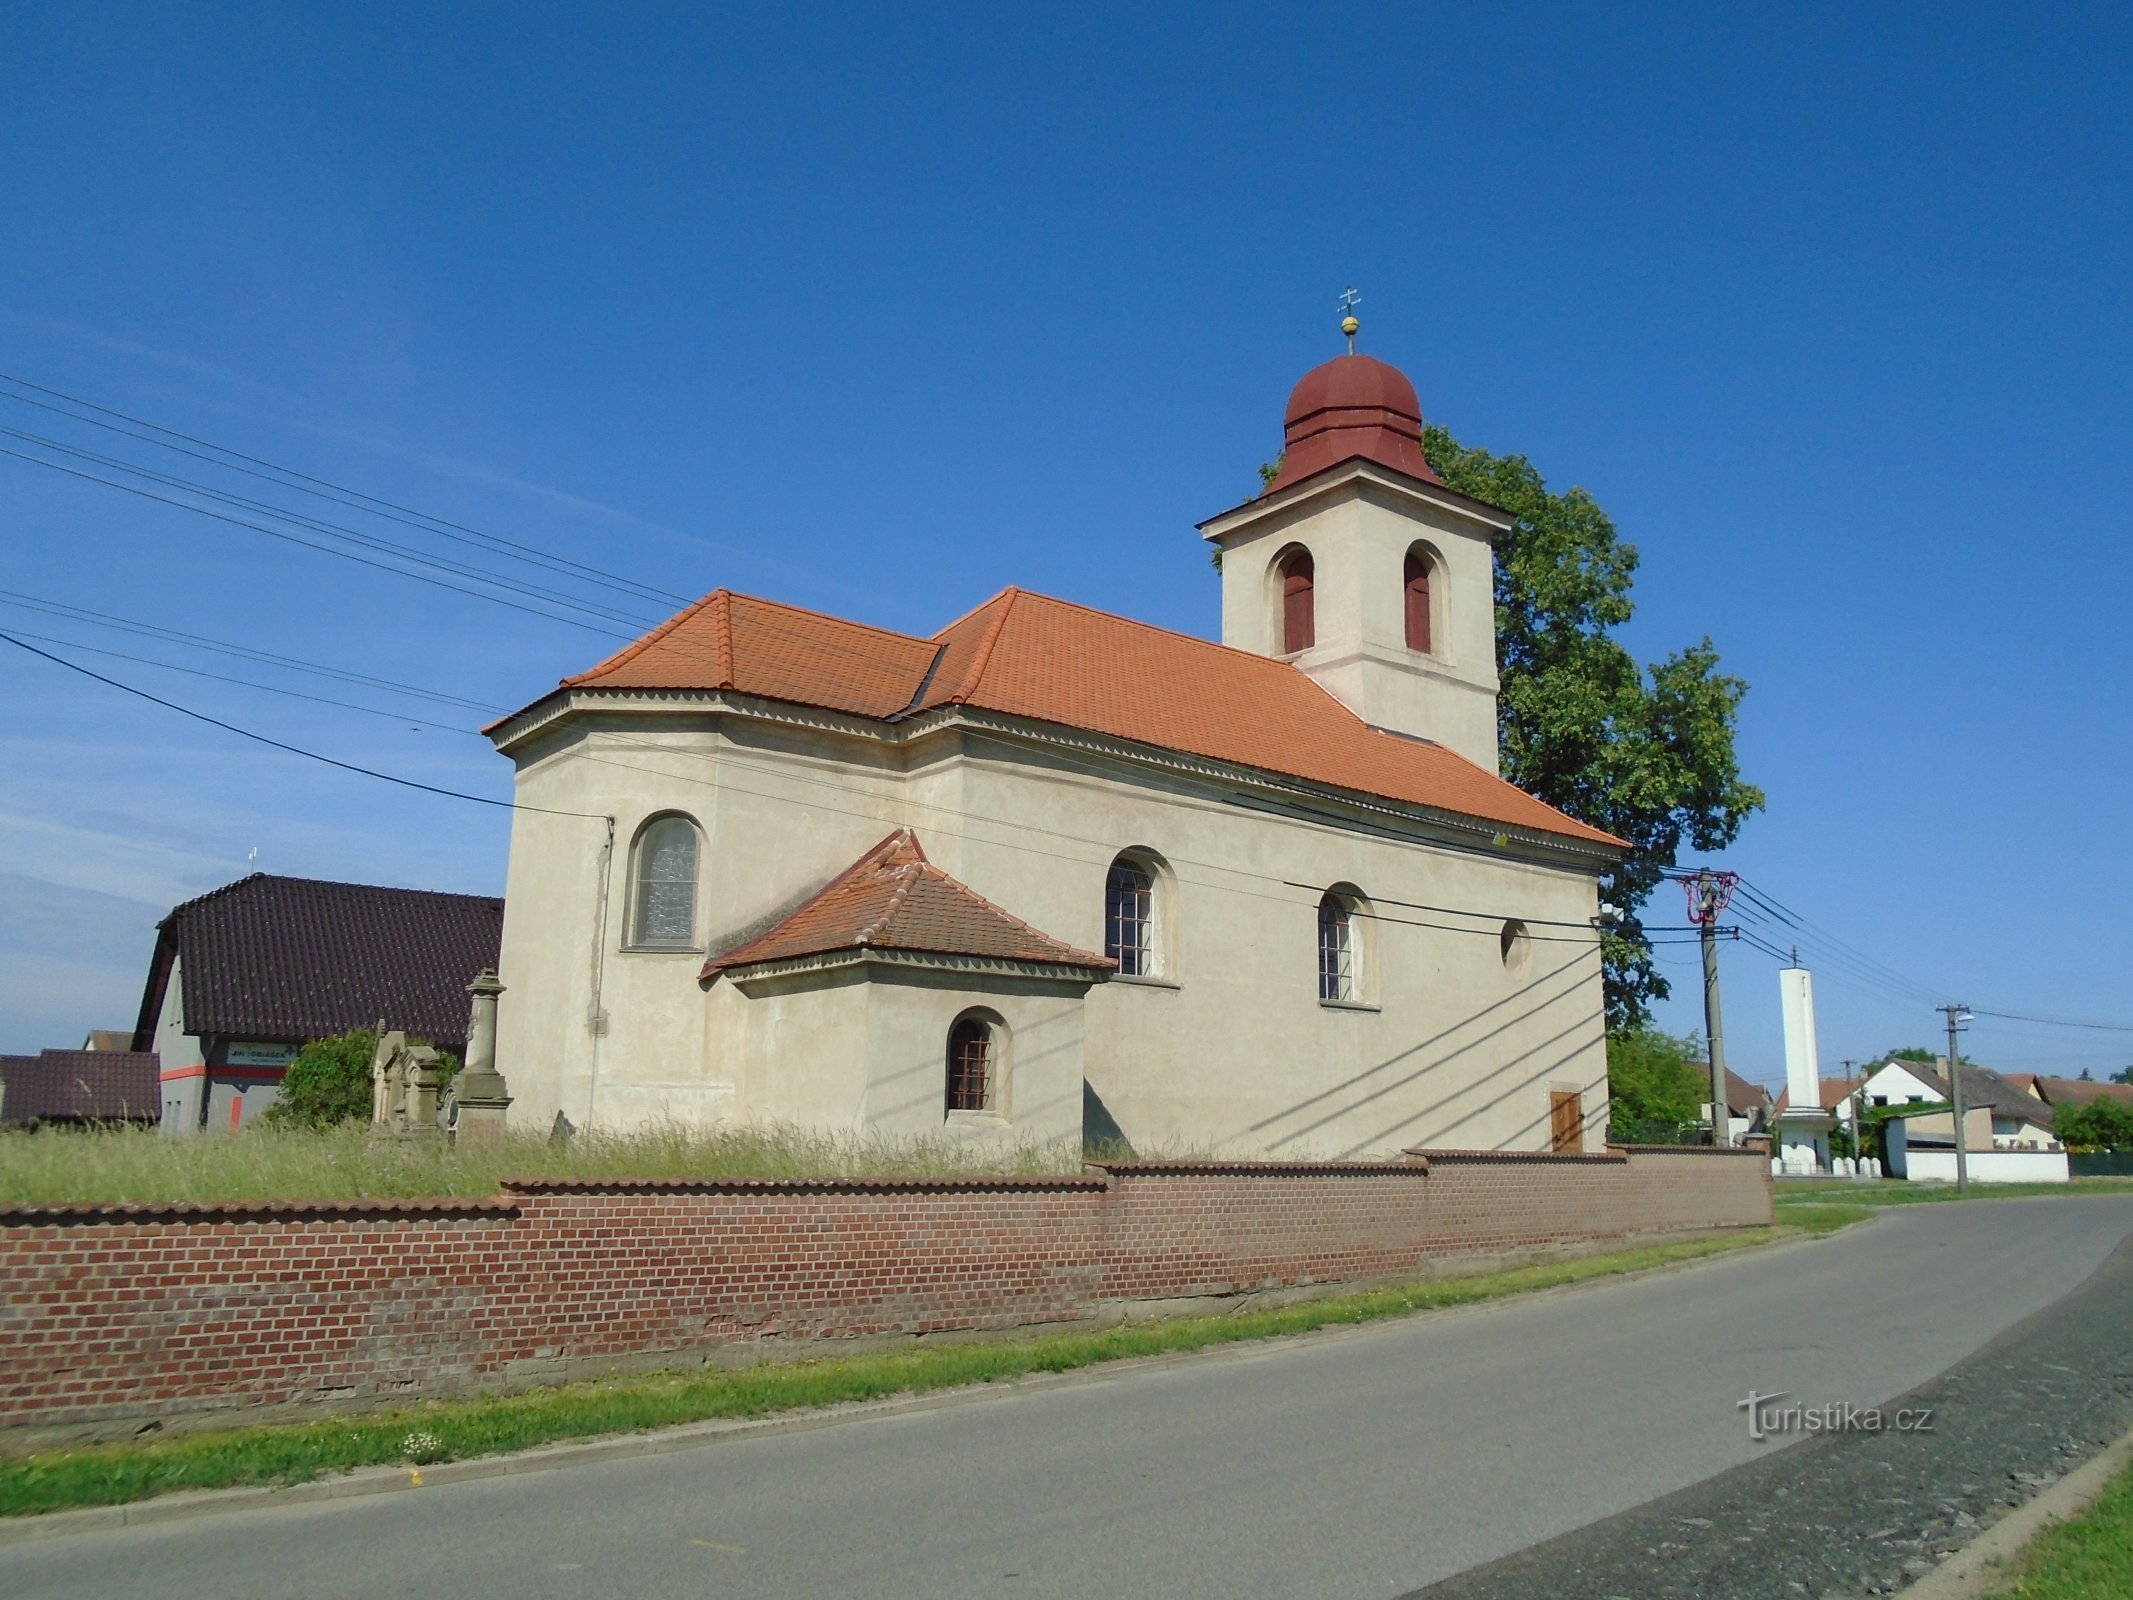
1984	1166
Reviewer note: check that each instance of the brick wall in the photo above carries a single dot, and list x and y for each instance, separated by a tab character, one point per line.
118	1313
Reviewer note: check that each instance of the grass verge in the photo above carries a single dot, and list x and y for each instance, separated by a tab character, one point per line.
1896	1192
448	1430
2089	1557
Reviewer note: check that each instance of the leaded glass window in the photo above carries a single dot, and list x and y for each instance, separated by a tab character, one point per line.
1129	918
1336	949
666	884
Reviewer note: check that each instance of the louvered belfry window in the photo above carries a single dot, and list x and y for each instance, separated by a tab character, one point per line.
666	884
970	1065
1129	918
1336	949
1418	601
1299	622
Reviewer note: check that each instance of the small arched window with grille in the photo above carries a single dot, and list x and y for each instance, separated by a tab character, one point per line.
1337	964
1129	918
1299	620
663	891
973	1069
1416	583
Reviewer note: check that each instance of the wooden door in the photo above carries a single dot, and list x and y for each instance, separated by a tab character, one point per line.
1566	1122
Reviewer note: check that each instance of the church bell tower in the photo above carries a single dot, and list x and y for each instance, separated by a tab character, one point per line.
1362	568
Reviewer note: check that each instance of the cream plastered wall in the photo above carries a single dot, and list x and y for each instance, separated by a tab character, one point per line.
1229	1050
1359	526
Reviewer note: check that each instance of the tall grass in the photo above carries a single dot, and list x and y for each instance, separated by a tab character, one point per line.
142	1166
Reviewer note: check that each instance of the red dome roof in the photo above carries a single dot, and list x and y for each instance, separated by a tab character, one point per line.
1353	406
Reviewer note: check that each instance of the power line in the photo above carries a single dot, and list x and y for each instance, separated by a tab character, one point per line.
251	683
294	750
2054	1022
312	544
304	483
332	530
104	619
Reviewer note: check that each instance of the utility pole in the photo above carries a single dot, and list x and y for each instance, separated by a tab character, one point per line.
1957	1016
1708	893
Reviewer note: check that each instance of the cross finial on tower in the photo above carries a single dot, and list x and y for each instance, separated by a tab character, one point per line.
1349	301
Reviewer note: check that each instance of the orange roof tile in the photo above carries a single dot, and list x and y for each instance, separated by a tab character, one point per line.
1027	655
893	898
1058	662
734	641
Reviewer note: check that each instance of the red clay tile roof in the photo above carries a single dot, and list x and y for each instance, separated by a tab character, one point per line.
79	1086
294	959
893	898
1051	661
733	641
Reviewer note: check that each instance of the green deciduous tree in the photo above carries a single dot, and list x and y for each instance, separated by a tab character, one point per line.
328	1082
1644	752
2100	1124
1653	1077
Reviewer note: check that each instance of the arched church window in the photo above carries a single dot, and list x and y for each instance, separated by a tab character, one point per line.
973	1067
1130	931
1299	629
663	898
1338	969
1416	581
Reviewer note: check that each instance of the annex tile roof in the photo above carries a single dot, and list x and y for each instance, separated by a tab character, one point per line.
294	959
781	652
79	1086
893	898
1030	656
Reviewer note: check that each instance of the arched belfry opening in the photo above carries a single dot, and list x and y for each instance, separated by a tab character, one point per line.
1296	574
1415	599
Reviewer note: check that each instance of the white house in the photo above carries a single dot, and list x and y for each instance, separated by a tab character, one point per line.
2007	1132
1050	872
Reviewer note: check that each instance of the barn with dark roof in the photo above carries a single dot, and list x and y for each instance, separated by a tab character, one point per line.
245	975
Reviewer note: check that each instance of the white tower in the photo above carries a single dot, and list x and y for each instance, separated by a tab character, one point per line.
1360	566
1803	1126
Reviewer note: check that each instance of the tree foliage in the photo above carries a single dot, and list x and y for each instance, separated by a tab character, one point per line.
1644	752
1653	1076
2099	1124
327	1083
1910	1052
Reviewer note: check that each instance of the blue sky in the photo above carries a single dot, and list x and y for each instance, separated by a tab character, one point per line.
1828	307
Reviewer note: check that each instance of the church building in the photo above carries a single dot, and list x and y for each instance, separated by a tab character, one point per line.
1051	873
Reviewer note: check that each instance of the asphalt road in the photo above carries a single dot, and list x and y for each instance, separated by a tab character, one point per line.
1369	1463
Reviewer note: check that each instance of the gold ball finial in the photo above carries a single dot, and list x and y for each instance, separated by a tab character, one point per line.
1348	302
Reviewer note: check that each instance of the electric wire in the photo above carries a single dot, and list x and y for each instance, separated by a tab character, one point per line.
149	630
296	750
332	530
250	683
305	483
312	544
